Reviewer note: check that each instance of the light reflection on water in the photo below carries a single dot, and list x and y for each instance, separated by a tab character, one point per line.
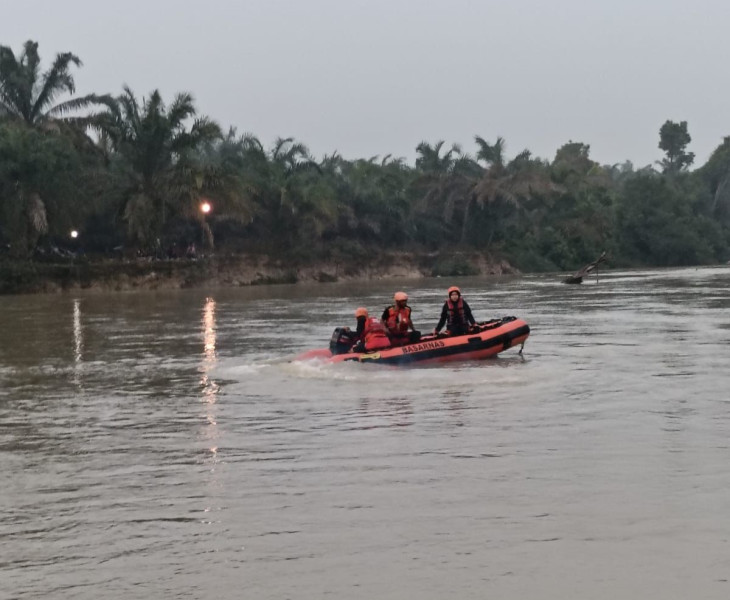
78	339
161	445
208	386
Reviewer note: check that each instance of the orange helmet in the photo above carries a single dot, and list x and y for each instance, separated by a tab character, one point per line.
400	297
453	288
361	312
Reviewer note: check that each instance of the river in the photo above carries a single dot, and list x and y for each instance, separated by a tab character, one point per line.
162	445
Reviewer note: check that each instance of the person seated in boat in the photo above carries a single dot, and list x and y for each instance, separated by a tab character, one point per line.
370	334
397	319
455	314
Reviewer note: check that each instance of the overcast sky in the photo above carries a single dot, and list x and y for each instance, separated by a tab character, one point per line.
374	77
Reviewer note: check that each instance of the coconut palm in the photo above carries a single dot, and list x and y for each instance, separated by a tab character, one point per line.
28	95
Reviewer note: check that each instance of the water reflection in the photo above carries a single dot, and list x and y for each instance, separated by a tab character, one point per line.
208	386
78	333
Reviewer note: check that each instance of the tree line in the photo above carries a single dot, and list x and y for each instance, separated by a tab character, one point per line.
130	174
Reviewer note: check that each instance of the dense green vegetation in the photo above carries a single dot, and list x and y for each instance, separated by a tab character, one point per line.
130	175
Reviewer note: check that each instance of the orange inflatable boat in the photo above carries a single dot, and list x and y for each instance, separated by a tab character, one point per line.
485	340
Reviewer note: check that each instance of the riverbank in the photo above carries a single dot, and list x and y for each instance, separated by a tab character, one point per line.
24	277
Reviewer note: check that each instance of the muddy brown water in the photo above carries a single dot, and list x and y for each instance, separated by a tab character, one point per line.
161	445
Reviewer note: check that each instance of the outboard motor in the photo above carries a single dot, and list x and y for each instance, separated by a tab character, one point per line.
341	340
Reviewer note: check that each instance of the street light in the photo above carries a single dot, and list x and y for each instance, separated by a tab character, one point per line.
205	208
74	234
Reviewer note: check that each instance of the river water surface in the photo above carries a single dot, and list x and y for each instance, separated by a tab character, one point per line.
161	445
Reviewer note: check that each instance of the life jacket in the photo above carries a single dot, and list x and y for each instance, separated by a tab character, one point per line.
399	319
457	314
374	335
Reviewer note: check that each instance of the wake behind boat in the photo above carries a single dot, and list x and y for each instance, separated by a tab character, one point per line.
483	340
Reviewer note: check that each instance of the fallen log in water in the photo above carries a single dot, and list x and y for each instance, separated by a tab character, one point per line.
578	276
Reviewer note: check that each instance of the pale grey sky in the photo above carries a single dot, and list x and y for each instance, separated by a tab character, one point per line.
379	76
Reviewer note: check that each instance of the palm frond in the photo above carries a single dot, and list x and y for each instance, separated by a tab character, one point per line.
78	103
279	145
153	110
54	81
130	106
8	105
14	81
522	157
182	108
252	143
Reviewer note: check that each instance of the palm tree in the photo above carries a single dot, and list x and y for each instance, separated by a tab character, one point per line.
28	102
447	180
430	159
29	96
160	152
435	175
373	198
492	154
226	176
301	200
501	180
507	183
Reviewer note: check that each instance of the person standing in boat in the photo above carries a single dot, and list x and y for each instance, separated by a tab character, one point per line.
455	314
397	319
370	333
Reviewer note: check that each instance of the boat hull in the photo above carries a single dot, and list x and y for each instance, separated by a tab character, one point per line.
489	340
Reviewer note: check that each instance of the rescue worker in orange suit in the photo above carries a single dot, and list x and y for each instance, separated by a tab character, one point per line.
397	319
456	314
370	334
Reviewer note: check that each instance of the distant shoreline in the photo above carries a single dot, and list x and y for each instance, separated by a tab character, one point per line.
105	275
